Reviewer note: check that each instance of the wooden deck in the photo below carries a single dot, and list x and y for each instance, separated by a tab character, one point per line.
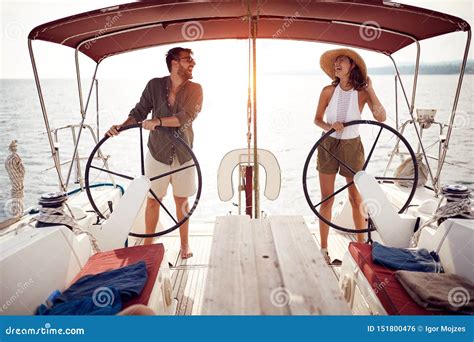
188	276
338	242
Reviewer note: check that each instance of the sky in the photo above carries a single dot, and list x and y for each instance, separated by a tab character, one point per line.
20	16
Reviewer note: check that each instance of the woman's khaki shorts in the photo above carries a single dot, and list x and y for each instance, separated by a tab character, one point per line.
350	151
183	182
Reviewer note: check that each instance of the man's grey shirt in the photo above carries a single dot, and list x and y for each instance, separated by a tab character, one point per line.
187	105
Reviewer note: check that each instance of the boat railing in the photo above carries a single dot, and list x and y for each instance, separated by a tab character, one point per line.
425	119
76	159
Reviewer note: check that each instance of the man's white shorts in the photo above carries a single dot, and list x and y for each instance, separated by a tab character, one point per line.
183	182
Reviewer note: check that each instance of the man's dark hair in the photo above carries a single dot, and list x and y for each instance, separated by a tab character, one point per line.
173	54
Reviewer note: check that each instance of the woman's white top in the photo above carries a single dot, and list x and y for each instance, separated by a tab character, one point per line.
344	107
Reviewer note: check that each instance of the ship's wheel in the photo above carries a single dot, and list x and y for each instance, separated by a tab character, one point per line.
179	144
315	202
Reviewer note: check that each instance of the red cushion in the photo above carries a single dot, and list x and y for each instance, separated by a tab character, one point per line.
389	291
152	255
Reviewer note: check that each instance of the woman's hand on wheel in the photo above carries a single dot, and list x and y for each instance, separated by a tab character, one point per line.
337	126
113	131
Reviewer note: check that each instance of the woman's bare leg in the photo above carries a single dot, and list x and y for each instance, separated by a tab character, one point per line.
326	182
356	204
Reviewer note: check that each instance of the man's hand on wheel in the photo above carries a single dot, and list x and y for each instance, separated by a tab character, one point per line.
113	131
150	124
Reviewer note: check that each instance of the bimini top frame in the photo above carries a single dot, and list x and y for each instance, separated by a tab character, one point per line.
162	22
375	25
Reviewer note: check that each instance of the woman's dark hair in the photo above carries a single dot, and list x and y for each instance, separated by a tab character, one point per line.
356	79
173	54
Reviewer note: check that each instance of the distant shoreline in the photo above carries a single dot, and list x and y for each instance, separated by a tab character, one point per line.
452	68
444	68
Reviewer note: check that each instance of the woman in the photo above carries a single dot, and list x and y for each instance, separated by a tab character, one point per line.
340	102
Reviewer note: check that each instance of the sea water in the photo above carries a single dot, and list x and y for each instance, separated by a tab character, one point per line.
286	108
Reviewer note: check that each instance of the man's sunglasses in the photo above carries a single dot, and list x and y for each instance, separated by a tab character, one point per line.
188	59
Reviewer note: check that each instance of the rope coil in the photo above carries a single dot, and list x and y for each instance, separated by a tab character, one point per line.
52	212
458	203
16	173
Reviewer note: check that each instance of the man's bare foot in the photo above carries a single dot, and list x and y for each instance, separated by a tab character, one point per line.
185	252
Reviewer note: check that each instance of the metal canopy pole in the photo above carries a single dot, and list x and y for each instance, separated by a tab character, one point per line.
401	83
83	110
97	106
246	172
412	108
54	152
396	102
453	112
256	185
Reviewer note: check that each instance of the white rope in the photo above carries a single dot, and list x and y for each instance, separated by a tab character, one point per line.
58	216
16	173
451	209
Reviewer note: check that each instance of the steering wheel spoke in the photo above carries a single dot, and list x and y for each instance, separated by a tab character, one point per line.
339	160
372	149
163	206
171	172
334	194
142	154
111	172
395	178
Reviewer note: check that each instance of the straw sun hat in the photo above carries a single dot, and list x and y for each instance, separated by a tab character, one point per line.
329	57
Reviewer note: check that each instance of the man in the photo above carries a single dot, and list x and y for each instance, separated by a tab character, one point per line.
174	102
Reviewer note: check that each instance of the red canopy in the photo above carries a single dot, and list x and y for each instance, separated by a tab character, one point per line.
364	24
